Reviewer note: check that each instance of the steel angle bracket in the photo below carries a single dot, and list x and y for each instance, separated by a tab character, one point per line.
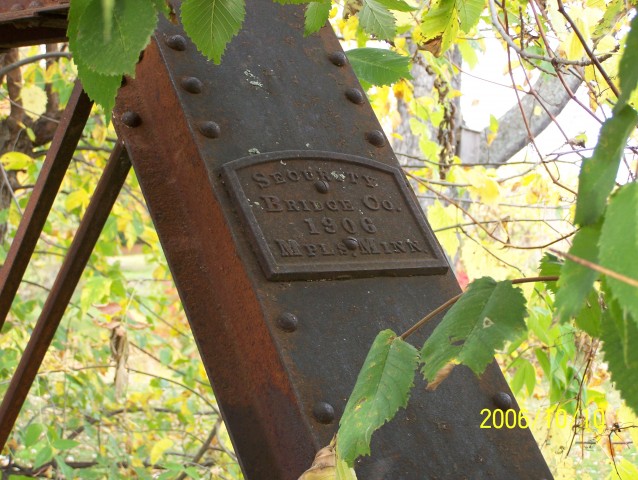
283	331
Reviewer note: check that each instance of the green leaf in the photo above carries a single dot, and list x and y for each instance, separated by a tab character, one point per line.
211	24
619	245
377	20
441	23
614	10
628	67
32	434
589	318
550	267
598	173
117	54
44	455
343	471
64	444
102	89
383	386
316	15
159	448
469	13
378	66
525	376
488	314
576	281
620	336
398	5
162	6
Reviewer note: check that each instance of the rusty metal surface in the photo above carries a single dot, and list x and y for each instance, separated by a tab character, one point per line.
77	256
283	355
46	188
326	215
28	22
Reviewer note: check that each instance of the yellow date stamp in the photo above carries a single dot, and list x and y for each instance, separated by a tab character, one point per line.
553	418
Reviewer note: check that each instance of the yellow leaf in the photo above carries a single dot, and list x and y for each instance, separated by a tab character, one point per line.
16	160
159	448
77	198
34	100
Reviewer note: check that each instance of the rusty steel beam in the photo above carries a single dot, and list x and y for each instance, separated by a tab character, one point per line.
293	239
44	192
29	22
77	256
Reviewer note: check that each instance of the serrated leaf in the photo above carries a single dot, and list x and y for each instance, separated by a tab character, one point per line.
628	67
398	5
619	245
488	314
440	26
102	89
598	173
383	386
316	16
469	13
576	281
211	24
16	160
589	318
550	267
117	54
377	20
378	66
159	448
619	332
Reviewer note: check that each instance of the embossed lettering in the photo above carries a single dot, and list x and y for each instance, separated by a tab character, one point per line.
414	245
278	177
293	206
293	176
399	247
272	203
371	202
289	248
368	246
261	179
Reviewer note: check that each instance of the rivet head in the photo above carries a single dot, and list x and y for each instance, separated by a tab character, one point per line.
376	138
210	129
338	58
355	96
131	119
502	400
192	84
35	4
323	412
287	322
351	243
322	186
16	7
176	42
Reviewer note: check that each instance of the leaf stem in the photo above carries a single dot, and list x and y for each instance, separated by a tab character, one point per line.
453	300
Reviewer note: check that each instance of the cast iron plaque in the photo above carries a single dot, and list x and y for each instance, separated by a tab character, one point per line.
328	215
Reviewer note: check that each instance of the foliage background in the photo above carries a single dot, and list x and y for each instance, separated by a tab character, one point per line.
123	394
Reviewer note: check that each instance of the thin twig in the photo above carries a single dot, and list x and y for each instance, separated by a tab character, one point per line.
596	267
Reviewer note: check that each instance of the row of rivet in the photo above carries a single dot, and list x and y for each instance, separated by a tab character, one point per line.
356	96
16	7
322	411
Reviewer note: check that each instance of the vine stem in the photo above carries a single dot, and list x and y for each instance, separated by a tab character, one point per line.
453	300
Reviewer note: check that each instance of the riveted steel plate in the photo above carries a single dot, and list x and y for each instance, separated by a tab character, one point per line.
326	215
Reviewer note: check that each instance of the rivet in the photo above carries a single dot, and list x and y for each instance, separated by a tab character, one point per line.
131	119
176	42
355	96
322	186
192	84
338	58
16	7
35	4
210	129
376	138
502	400
351	243
287	322
323	412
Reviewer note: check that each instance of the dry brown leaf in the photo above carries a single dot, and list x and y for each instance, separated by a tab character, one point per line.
440	376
